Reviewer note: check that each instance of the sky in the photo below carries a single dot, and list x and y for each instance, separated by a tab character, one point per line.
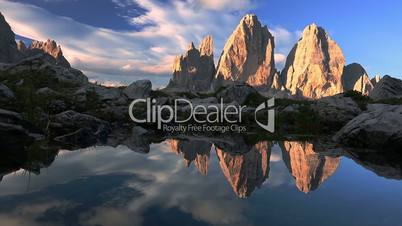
119	41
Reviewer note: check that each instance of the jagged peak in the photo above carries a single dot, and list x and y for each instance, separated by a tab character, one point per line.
207	46
250	19
191	46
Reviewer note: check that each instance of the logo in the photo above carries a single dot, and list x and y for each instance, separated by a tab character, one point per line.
270	125
216	117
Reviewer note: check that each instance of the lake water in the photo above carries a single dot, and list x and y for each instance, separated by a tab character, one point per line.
193	184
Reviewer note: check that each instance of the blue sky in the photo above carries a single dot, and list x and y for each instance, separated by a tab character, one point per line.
118	41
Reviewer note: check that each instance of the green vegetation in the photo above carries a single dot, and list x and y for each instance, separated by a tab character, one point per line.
255	99
360	99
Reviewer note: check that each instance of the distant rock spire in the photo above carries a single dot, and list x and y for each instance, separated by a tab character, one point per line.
314	66
194	70
354	77
50	47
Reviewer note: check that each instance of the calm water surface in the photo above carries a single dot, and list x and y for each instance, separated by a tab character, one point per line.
272	184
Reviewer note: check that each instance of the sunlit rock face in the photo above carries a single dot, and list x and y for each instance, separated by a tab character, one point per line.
309	168
194	70
193	150
248	55
355	77
49	47
8	47
246	172
314	66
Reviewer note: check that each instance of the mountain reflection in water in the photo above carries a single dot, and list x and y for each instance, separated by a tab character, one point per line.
199	181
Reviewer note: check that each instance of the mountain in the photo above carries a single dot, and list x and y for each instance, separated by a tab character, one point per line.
49	47
246	171
309	168
314	66
248	55
194	70
387	88
8	47
355	77
13	52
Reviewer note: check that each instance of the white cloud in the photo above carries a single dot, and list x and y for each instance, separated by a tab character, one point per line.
108	55
225	4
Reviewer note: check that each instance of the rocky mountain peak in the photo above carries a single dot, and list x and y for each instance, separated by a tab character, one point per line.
248	55
207	46
194	70
314	66
355	77
50	47
191	46
8	47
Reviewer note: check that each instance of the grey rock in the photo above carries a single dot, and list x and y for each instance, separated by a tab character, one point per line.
8	47
388	87
378	127
70	124
337	108
46	91
138	141
15	132
138	89
236	92
107	93
6	93
41	63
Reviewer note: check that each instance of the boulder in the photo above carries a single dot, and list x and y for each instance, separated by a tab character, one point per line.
6	93
15	132
380	127
387	88
46	91
236	93
138	89
337	109
68	126
107	93
248	55
314	66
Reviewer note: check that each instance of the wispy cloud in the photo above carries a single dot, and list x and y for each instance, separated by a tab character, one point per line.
109	55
